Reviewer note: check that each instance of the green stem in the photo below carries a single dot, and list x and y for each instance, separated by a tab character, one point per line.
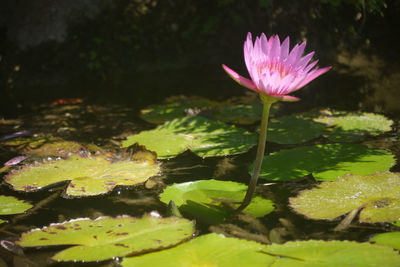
267	101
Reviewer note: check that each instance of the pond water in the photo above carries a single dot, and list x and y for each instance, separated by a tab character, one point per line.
106	125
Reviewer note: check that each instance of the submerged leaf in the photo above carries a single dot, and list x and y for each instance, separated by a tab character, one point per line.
207	250
204	137
88	176
377	195
332	253
324	162
106	237
210	199
11	205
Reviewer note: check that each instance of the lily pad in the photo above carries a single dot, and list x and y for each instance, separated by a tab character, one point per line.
87	176
332	253
206	250
325	162
204	137
391	239
293	129
106	237
175	107
238	113
11	205
353	126
206	199
377	195
44	146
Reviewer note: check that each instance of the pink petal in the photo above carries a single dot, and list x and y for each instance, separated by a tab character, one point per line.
312	75
286	98
285	49
240	79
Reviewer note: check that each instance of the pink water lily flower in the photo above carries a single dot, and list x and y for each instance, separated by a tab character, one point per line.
273	70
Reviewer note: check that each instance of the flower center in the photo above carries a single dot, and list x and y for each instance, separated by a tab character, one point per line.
273	67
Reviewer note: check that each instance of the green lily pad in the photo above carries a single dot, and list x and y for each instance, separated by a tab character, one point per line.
332	253
204	137
397	223
206	199
206	250
293	129
238	113
11	205
44	146
324	162
349	127
106	237
391	239
175	107
87	176
377	195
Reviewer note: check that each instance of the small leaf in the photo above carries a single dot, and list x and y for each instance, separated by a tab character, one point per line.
11	205
106	237
204	137
332	253
324	162
206	250
377	195
391	239
205	199
88	176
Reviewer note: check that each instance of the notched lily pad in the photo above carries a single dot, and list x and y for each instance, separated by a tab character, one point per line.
391	239
293	129
377	196
106	237
44	146
325	162
87	176
206	250
353	126
213	200
11	205
204	137
332	253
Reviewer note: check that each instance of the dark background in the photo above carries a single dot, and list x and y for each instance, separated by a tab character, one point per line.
137	52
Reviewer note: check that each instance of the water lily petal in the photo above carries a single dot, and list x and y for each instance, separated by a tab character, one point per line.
240	79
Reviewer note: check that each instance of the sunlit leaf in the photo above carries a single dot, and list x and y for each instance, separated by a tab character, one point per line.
11	205
293	129
352	126
106	237
391	239
332	253
210	199
325	162
206	250
204	137
377	195
87	176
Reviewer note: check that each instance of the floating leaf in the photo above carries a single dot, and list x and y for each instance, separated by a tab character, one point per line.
293	129
11	205
88	176
349	127
332	253
204	137
391	239
206	199
44	146
175	107
239	113
325	162
106	237
377	195
206	250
